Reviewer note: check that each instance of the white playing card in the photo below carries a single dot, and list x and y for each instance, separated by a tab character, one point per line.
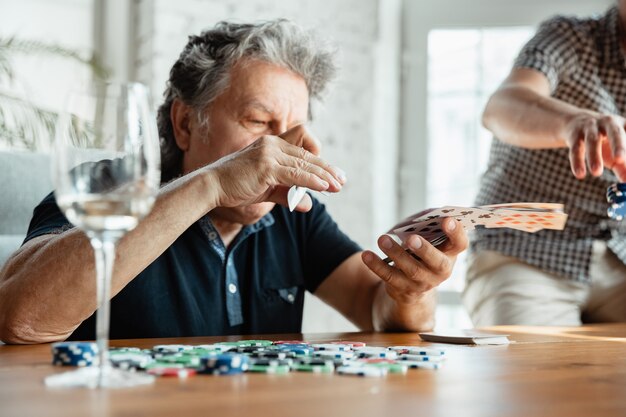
528	220
295	195
469	217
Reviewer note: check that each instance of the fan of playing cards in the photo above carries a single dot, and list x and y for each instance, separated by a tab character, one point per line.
527	217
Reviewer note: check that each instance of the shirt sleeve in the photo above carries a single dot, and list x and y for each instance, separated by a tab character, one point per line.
325	246
552	51
47	219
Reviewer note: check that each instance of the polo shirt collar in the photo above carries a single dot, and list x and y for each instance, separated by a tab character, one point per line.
265	221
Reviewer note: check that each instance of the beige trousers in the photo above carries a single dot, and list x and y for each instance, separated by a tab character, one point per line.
503	290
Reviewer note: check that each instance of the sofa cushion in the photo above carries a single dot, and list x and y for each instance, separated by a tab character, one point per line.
25	180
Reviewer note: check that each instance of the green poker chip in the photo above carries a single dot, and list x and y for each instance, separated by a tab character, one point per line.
254	343
276	369
320	369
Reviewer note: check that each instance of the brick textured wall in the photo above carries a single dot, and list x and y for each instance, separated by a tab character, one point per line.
357	124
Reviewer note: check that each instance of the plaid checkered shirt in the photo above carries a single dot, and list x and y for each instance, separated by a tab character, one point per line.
585	66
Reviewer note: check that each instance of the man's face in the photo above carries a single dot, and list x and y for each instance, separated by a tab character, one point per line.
262	99
622	9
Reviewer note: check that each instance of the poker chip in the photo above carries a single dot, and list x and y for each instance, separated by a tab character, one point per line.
351	344
255	343
224	364
332	346
74	353
616	197
185	359
171	348
333	354
420	358
290	342
178	372
369	371
375	352
276	369
298	349
124	350
416	350
328	368
392	367
273	354
270	362
130	360
422	365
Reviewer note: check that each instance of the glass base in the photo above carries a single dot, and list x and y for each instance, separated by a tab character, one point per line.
90	378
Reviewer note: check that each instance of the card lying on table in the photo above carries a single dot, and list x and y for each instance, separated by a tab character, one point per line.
527	217
466	337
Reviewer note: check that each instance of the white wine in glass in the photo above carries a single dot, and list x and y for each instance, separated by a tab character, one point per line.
106	171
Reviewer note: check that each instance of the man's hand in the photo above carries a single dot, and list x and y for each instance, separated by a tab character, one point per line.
409	279
600	141
264	171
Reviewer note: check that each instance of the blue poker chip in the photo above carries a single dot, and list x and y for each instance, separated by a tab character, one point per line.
224	364
616	211
615	199
74	353
298	349
618	186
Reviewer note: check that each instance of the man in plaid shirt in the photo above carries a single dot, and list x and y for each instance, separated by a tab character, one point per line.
560	137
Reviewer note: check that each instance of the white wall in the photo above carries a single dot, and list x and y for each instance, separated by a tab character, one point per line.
358	125
41	78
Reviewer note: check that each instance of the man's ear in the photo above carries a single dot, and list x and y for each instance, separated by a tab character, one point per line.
180	114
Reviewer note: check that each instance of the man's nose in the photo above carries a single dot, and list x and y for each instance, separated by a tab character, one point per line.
280	127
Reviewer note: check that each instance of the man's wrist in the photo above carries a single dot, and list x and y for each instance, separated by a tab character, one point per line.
210	187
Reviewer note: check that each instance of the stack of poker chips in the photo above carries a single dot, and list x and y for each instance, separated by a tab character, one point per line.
74	353
263	356
616	197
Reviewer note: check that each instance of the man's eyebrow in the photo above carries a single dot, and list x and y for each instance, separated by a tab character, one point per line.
259	106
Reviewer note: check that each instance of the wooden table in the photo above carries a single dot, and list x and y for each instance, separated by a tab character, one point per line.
547	371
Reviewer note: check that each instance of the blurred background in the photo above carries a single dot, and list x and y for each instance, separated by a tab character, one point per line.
403	119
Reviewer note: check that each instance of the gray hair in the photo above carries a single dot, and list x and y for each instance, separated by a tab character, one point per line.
202	72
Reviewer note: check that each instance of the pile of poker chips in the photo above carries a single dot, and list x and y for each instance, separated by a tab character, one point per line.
258	356
616	197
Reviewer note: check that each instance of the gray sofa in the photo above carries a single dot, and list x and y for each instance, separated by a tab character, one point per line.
25	181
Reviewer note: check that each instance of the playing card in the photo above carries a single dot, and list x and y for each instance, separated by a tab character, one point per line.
529	221
295	195
469	217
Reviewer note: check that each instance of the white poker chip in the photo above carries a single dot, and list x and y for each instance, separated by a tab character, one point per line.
417	350
333	354
365	370
171	348
331	346
421	365
421	358
375	352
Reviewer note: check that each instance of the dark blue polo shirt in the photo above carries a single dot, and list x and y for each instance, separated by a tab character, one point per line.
198	287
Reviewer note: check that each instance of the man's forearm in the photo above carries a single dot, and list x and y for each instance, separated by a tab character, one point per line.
48	288
520	116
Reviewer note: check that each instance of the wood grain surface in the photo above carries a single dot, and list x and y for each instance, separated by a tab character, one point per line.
546	372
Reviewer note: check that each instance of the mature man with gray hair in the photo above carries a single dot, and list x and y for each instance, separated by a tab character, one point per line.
217	255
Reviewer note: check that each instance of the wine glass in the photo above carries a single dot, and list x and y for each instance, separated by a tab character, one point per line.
106	170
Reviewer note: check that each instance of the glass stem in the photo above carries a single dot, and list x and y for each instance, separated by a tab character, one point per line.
104	249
